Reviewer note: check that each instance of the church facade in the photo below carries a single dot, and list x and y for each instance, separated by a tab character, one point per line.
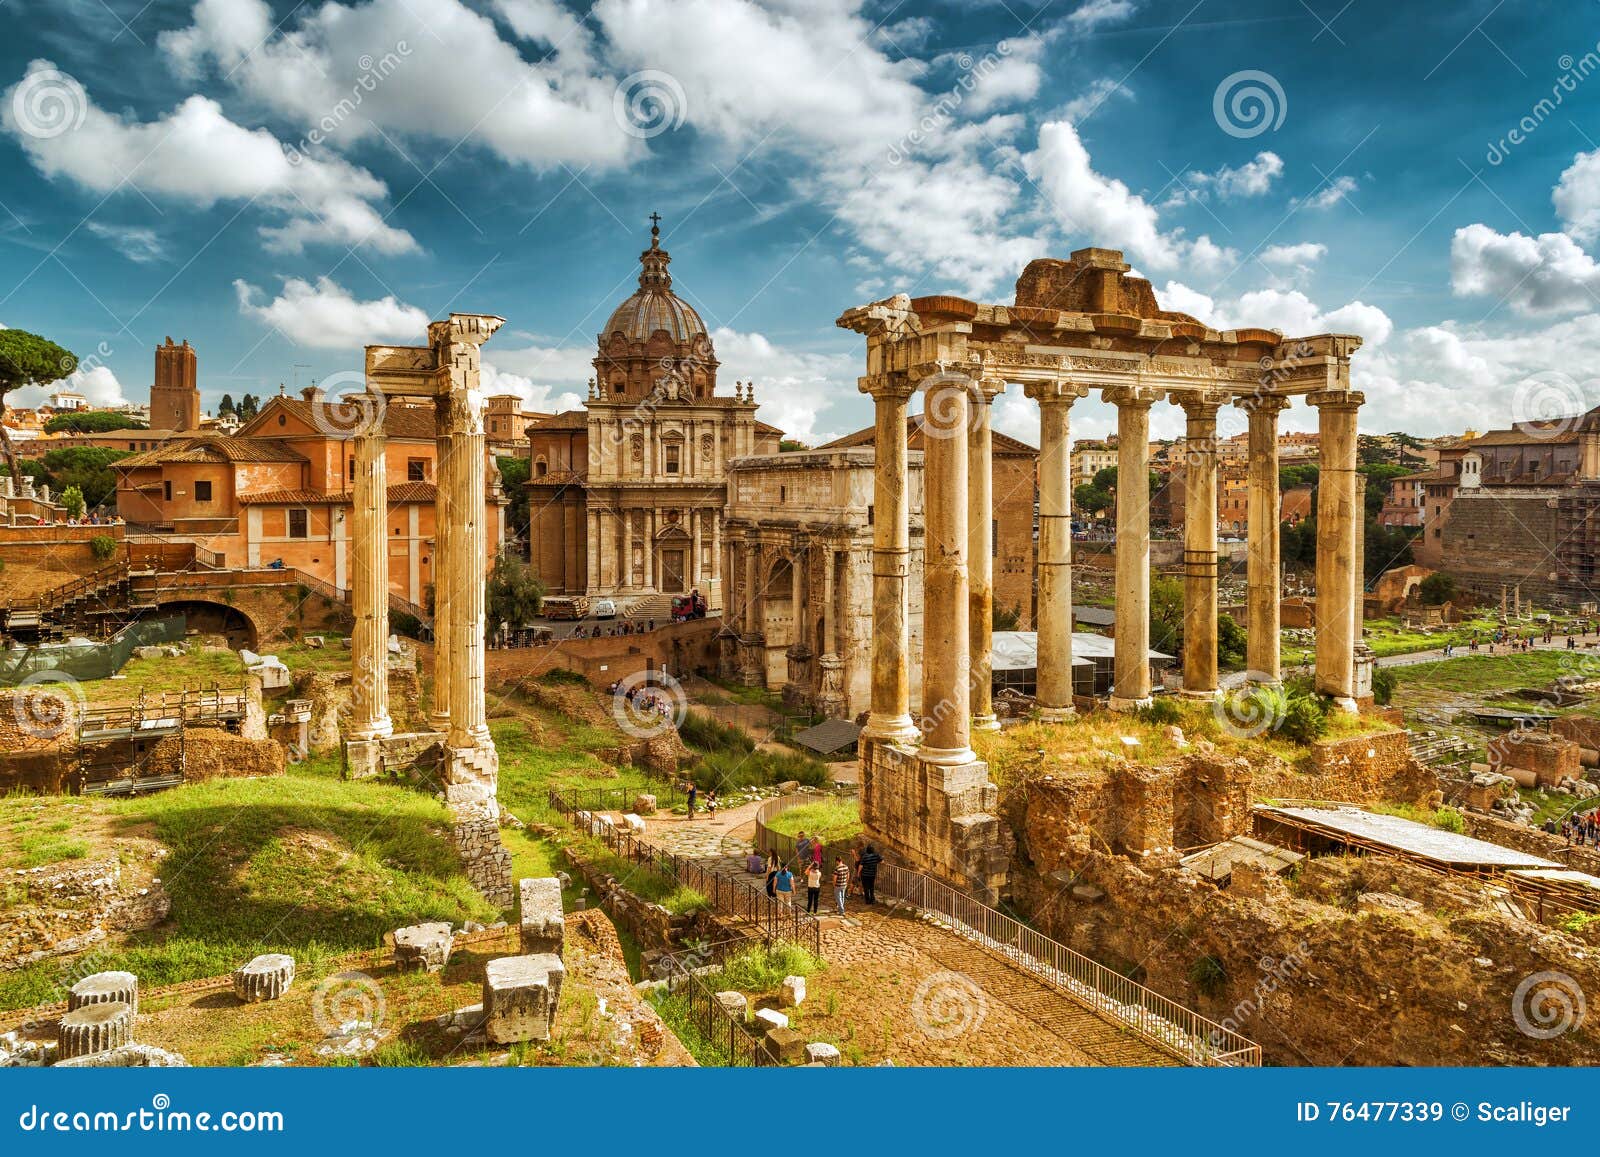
626	497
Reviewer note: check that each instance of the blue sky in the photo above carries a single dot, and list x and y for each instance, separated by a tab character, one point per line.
205	170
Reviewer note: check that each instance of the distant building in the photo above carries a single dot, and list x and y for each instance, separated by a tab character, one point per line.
1089	457
175	394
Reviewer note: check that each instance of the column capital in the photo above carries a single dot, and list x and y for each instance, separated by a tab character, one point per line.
1262	403
887	387
1199	403
1054	392
1336	399
1131	397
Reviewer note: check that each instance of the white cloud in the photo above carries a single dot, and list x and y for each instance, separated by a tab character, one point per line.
136	243
198	156
1012	78
1092	14
1536	275
1251	179
535	396
1093	206
1288	310
1294	256
97	384
793	388
1089	101
1331	194
327	316
1577	197
441	71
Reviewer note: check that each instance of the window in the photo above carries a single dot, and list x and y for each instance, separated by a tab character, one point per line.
416	469
202	491
541	468
350	469
166	490
297	524
674	458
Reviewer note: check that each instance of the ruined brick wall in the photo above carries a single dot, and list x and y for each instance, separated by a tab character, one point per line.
484	858
1356	769
1581	729
71	907
1363	979
683	647
1502	538
1548	758
203	753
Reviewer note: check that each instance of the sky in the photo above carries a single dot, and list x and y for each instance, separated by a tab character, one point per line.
283	183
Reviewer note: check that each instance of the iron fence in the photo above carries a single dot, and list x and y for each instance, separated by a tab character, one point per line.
1123	1002
723	1031
771	919
768	841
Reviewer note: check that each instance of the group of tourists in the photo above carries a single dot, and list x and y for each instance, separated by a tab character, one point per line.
1515	643
807	863
1580	829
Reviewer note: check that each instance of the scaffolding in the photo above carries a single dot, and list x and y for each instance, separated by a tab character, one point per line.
116	744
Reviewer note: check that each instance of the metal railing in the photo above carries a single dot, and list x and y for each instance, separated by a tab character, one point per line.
769	919
768	841
722	1031
1115	998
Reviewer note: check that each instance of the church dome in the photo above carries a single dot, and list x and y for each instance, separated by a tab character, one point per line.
655	307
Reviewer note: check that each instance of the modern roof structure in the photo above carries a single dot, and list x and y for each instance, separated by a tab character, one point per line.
1351	826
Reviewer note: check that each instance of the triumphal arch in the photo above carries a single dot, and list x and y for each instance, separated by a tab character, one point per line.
1075	326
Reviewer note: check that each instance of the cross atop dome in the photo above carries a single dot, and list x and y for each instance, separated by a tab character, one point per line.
654	260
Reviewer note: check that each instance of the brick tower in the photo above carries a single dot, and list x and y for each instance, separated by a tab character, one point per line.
175	396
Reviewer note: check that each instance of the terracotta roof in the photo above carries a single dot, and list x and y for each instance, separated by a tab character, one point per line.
566	420
400	419
1003	443
215	448
398	495
1557	432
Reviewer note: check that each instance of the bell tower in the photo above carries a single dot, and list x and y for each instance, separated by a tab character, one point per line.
175	396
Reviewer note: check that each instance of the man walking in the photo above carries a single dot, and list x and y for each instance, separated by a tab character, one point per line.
870	859
841	882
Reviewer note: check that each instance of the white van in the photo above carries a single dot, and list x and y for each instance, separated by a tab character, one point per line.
605	609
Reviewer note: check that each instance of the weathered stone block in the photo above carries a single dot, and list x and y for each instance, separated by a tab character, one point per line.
129	1056
734	1004
645	805
267	977
520	997
95	1028
793	992
634	823
543	925
820	1053
105	988
785	1046
424	946
767	1019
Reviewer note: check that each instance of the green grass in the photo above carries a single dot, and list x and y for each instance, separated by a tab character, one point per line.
50	848
758	969
726	771
1498	672
836	819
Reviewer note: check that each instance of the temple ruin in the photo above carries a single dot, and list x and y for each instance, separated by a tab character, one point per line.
445	371
1075	326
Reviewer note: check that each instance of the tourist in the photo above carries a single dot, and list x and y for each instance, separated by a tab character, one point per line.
813	885
841	882
816	852
802	848
869	861
783	883
690	794
711	801
773	865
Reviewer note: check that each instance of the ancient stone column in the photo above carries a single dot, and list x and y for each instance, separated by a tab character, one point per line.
946	633
1199	543
890	715
1262	580
369	595
625	579
1053	568
1339	512
464	475
446	550
1131	656
980	552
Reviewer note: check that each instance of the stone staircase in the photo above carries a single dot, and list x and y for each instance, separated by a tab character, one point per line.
658	607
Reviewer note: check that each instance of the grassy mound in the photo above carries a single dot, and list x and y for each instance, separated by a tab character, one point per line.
838	821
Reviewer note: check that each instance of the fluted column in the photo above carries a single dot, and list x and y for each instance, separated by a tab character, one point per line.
625	580
369	595
1053	568
946	633
980	552
445	552
1262	581
1131	656
1338	545
1200	543
890	714
465	478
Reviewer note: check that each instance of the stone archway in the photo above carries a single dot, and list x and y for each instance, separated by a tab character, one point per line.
672	560
207	618
778	628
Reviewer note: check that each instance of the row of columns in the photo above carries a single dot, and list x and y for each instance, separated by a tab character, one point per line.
958	567
460	547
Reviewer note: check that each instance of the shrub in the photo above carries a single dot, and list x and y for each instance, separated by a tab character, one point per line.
72	500
1450	820
102	546
726	770
1161	711
1305	718
405	623
1208	975
1384	683
707	734
557	676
